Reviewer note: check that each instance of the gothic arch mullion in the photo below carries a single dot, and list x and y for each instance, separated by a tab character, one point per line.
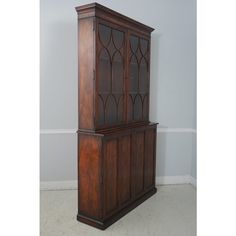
110	57
104	45
109	38
135	97
143	54
138	67
138	47
121	96
118	48
104	48
130	96
142	100
117	104
146	63
111	73
103	107
133	51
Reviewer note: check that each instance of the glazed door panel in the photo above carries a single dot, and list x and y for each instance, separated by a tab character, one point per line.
110	176
138	79
110	77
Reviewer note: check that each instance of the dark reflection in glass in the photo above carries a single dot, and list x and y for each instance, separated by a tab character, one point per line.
144	46
145	107
120	108
133	74
134	43
138	80
143	76
111	48
104	34
118	38
130	108
100	111
117	73
111	111
104	81
138	108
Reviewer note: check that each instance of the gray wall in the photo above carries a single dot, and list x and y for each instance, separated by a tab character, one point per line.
173	83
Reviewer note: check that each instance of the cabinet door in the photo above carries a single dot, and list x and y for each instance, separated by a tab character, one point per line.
117	175
149	161
110	76
138	163
110	176
138	78
124	169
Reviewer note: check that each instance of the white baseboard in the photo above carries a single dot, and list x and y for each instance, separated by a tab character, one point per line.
161	180
182	179
58	185
193	181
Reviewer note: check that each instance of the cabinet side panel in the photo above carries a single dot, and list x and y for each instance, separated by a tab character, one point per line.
86	73
149	158
124	174
110	178
89	175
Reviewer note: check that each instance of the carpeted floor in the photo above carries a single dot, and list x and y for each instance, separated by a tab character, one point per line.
170	212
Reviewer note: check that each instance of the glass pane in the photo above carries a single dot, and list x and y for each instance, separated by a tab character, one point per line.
144	46
104	81
145	107
143	76
133	75
138	108
111	111
100	111
117	73
120	108
104	34
118	38
130	108
133	43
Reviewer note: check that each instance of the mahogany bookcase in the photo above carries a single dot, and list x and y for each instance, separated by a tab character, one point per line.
116	140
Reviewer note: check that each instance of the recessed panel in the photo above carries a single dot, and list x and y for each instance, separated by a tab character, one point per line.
110	181
124	174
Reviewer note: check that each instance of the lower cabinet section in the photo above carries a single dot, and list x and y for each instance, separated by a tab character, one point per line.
116	172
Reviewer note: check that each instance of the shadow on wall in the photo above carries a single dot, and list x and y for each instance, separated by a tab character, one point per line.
154	81
154	75
161	154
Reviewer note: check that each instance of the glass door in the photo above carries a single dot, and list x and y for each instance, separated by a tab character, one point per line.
138	79
110	92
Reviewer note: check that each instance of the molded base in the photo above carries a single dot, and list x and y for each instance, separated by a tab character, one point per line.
104	224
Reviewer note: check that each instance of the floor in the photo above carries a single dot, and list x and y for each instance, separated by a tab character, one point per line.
170	212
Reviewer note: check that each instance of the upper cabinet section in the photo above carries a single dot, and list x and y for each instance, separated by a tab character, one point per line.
114	66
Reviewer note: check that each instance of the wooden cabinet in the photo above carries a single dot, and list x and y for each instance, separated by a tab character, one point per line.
116	140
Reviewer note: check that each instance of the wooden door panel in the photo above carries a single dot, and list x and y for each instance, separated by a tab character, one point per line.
124	174
149	158
110	175
139	162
